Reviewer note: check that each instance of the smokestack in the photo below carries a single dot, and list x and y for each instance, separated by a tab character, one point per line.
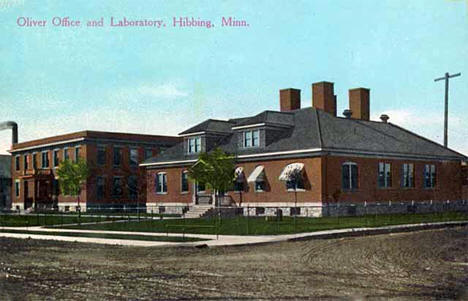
14	129
290	99
359	103
323	97
347	113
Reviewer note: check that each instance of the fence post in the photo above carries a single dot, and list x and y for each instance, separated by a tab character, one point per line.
248	218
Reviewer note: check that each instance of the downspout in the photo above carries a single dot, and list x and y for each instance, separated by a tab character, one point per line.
14	129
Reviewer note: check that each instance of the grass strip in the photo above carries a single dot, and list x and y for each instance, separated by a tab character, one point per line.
271	226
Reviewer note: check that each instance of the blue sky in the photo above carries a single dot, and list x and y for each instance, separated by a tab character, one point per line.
57	80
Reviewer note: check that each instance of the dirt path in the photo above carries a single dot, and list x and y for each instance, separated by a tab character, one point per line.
418	265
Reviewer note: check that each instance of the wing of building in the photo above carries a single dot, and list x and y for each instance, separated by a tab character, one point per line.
347	159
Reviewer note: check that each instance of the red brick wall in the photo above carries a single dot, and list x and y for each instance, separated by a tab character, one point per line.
448	181
276	189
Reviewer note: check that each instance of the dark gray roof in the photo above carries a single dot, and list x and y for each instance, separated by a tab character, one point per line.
210	125
314	129
5	166
270	118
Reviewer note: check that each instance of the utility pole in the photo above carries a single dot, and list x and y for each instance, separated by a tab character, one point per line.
446	78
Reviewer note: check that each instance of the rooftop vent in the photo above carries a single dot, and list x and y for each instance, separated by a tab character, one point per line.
384	118
347	113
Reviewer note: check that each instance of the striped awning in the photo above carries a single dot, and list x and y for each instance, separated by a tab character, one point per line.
289	170
239	174
256	175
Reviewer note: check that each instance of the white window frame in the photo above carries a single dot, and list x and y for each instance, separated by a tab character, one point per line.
77	148
181	182
194	145
42	160
17	189
432	176
160	184
26	164
130	157
407	175
255	186
387	168
17	162
250	137
53	158
66	155
350	164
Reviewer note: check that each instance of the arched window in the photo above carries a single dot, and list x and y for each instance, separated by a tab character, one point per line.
349	175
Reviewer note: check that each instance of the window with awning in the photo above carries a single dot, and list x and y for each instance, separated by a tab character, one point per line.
293	176
258	177
239	179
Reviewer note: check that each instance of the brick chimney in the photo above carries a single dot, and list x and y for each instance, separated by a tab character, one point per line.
290	99
359	103
323	97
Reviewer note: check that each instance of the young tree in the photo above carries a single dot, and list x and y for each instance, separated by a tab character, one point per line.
214	169
71	177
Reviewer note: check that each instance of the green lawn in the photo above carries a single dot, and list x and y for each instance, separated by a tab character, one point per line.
110	236
260	225
7	220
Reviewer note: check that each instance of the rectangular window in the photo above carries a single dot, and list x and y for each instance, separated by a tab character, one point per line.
148	153
117	156
407	177
45	159
17	163
66	155
101	155
133	157
184	186
385	175
194	145
133	187
77	153
34	160
429	176
56	158
117	190
251	138
349	175
100	187
26	162
17	188
161	183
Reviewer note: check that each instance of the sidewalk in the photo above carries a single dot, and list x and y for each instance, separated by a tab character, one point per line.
223	240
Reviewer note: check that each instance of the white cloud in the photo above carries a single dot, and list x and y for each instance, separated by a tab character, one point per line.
163	91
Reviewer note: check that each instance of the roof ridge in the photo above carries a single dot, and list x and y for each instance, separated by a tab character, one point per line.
425	139
319	129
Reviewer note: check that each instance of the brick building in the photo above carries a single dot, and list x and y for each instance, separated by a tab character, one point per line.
338	160
113	158
5	181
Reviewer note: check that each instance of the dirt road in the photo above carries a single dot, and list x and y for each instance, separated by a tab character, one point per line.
419	265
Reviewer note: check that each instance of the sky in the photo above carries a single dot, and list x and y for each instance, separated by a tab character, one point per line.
57	79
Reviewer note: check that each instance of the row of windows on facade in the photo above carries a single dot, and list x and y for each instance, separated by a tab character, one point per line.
45	163
117	187
101	157
250	139
384	175
349	179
